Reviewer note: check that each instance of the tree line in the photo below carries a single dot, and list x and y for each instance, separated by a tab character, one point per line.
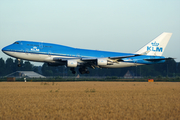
169	68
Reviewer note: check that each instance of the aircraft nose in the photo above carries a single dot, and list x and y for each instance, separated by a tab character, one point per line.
4	49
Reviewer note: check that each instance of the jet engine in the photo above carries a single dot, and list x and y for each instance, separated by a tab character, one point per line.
101	62
71	63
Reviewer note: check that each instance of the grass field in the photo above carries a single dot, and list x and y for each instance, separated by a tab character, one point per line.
89	100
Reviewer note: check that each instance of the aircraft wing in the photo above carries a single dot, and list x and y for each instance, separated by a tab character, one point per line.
121	57
89	59
94	58
113	58
63	59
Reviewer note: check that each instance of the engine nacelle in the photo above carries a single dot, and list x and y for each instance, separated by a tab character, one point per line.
71	63
102	62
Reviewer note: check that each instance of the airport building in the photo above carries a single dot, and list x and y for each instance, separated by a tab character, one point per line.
27	74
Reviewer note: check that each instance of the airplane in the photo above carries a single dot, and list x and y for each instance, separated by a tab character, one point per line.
56	55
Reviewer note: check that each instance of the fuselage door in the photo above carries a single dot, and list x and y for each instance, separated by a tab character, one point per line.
27	51
135	63
78	55
49	53
41	45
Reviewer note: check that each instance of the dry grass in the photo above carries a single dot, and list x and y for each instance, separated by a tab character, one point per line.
89	100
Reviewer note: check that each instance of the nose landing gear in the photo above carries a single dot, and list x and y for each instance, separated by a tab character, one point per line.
19	62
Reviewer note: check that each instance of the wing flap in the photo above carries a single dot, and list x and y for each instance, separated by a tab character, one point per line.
89	59
121	57
159	59
63	59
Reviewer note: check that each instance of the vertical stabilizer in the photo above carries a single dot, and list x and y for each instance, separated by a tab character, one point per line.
157	46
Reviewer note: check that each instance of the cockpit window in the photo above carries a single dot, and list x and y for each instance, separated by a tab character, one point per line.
16	43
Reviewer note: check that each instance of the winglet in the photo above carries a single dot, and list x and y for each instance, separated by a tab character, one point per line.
157	46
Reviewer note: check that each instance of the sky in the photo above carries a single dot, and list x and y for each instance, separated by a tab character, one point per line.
110	25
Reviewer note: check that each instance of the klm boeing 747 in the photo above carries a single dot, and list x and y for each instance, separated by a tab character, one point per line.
55	55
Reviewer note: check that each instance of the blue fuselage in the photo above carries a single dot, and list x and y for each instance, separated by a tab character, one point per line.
45	52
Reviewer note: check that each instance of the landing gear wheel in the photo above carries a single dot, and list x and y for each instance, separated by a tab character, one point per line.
87	72
19	62
73	70
83	71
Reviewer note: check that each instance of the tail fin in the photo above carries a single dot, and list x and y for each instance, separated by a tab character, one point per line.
157	46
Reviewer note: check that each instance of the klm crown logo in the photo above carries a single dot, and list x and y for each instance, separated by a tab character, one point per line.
155	44
34	49
154	47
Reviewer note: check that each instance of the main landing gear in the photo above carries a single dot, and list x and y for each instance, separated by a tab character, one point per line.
82	70
73	70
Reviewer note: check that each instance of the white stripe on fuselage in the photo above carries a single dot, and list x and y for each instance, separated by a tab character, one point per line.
49	58
34	57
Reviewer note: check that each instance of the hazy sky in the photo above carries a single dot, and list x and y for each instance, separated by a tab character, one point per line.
111	25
